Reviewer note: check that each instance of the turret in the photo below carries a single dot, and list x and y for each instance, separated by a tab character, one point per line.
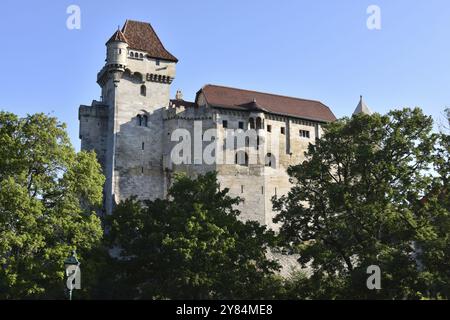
362	108
116	53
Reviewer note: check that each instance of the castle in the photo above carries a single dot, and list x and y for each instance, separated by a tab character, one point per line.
136	126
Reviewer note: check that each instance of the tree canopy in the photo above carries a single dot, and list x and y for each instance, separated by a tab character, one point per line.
372	191
191	245
48	197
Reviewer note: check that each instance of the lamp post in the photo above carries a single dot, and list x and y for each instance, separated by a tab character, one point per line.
73	273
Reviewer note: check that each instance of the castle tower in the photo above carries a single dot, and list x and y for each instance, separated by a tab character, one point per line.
135	85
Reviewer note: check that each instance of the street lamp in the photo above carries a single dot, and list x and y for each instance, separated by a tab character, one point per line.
73	273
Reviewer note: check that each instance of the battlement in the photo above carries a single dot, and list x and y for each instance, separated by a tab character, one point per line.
96	109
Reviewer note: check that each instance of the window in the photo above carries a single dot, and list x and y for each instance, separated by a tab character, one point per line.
139	120
141	56
283	130
259	123
241	125
158	62
252	123
304	134
242	189
143	145
269	128
143	90
270	160
225	123
241	158
262	190
145	120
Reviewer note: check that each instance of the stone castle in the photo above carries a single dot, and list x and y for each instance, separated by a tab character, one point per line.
132	128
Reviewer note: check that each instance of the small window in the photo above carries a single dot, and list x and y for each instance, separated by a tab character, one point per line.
262	190
158	62
241	125
141	56
142	169
269	128
270	161
143	90
283	130
120	51
143	145
225	123
139	120
304	134
242	189
145	120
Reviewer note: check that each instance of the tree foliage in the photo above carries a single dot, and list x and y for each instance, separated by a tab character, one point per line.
366	195
48	194
191	246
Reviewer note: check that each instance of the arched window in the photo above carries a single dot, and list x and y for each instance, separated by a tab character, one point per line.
143	90
141	56
241	158
258	123
145	120
139	120
270	160
252	123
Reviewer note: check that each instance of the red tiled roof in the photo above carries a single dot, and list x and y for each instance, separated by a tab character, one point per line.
117	36
238	99
141	36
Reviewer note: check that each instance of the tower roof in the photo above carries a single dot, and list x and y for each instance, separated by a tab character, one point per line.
141	36
362	107
117	36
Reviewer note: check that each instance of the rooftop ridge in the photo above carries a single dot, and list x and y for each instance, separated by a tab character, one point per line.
267	93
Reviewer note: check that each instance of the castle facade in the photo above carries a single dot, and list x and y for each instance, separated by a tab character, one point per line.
142	137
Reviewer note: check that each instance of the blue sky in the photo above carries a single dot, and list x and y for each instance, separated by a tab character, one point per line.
318	49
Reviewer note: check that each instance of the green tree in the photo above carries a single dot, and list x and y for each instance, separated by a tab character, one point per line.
357	201
48	196
191	246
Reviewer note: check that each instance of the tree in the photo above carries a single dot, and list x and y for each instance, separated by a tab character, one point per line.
48	197
191	246
357	201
